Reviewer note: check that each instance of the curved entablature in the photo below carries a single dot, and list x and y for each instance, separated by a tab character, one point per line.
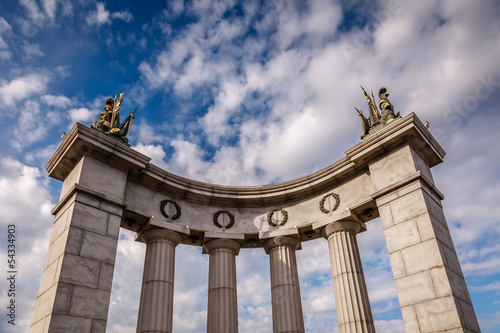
345	190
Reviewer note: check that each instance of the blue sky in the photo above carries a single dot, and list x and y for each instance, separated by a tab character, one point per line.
248	93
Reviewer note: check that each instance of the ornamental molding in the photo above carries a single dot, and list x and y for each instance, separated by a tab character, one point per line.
322	203
177	209
216	219
270	217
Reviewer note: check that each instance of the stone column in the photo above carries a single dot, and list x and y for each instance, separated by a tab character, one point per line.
157	294
222	314
351	297
285	289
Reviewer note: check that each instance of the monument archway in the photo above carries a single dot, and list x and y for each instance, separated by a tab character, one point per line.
107	185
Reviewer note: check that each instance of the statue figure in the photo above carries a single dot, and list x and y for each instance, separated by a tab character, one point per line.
386	106
109	120
375	120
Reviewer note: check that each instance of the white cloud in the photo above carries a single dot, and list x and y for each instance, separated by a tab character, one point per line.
50	7
5	29
103	16
33	125
23	87
57	101
100	16
33	11
81	115
32	50
25	203
155	152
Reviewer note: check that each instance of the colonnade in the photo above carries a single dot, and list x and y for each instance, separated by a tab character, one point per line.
351	297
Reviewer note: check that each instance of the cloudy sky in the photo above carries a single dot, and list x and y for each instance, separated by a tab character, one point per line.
246	93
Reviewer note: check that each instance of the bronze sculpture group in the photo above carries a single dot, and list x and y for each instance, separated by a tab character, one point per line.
109	120
376	121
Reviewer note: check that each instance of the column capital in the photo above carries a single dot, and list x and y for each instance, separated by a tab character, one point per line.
222	243
287	241
160	234
346	225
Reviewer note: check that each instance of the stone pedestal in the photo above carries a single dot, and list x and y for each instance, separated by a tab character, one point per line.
222	316
157	294
431	287
285	289
351	297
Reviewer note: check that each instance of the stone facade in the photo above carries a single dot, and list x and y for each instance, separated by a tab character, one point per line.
107	185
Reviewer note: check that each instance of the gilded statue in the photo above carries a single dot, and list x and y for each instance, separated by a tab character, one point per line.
376	121
109	120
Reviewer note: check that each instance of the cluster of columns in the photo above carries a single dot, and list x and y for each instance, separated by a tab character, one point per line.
353	306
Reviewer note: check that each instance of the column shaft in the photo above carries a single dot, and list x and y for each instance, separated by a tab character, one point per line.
157	294
222	316
351	296
285	289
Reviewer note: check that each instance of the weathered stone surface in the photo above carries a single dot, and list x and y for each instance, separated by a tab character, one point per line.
63	298
421	257
393	235
39	327
49	276
98	326
386	215
61	222
410	319
397	265
392	168
113	226
468	316
97	247
103	178
106	276
80	271
90	218
66	323
74	240
90	303
408	206
44	304
415	288
437	315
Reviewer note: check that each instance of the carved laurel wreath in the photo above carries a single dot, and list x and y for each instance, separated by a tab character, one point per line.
270	217
322	203
177	209
216	218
